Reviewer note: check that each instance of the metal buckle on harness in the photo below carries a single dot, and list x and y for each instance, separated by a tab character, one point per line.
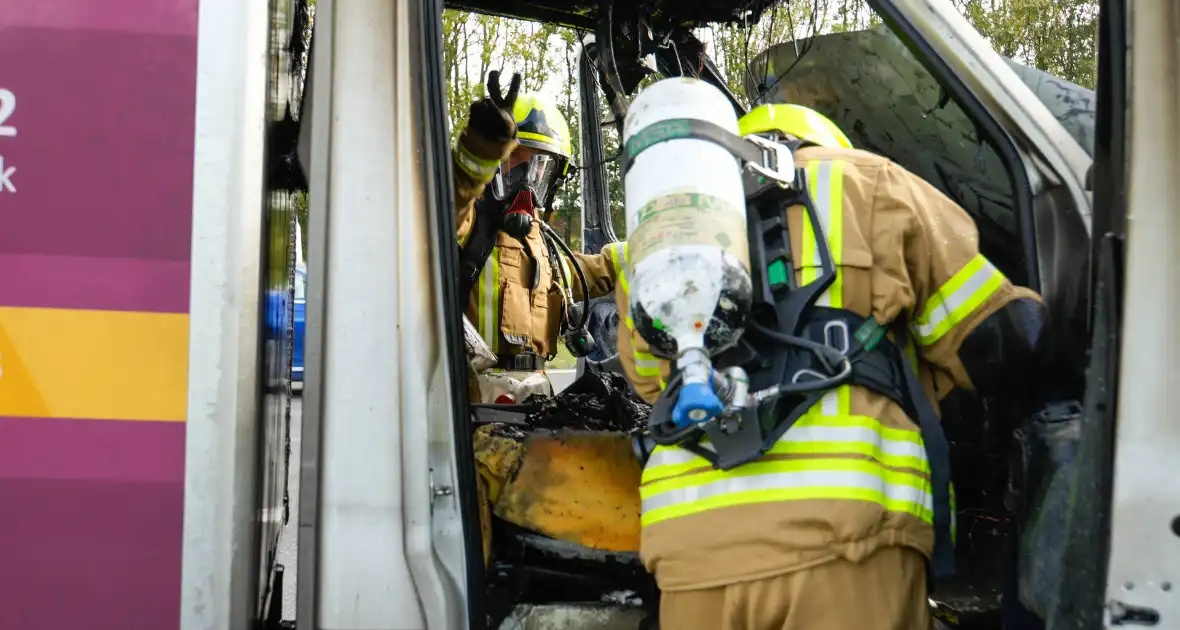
843	327
808	372
778	163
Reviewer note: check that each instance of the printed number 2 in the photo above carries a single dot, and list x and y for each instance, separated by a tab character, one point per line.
7	106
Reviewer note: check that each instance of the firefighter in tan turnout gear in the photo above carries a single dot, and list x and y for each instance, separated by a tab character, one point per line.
522	281
832	524
509	163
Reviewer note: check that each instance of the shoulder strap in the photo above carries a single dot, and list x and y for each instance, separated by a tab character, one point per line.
473	255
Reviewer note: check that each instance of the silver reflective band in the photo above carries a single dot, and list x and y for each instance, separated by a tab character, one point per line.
482	170
644	363
823	211
807	435
809	479
951	304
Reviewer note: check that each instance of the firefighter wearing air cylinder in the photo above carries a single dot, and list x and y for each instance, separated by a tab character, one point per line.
522	281
838	514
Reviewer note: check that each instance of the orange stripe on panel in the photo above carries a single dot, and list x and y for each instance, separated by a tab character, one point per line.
109	365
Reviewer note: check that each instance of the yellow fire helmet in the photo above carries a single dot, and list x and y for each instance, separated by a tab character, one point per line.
540	125
796	120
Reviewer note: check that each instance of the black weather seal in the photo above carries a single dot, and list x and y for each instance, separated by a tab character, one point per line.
597	228
1110	157
1082	597
989	128
440	204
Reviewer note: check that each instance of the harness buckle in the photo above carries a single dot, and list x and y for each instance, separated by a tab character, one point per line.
778	163
816	375
842	326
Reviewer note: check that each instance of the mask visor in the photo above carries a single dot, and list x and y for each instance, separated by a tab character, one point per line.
539	175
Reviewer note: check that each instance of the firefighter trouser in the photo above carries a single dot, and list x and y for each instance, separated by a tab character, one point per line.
887	591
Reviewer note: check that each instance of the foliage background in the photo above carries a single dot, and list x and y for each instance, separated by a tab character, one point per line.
1055	36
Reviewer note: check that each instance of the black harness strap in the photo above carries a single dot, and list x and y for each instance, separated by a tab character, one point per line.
679	129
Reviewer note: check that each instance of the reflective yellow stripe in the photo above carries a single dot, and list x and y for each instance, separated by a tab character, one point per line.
814	434
829	180
487	315
646	364
767	467
825	182
480	169
955	300
789	480
527	135
618	256
809	271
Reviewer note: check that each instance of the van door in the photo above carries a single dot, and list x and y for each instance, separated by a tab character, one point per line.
1140	179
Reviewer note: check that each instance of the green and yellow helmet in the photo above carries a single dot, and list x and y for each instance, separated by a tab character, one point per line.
540	125
796	120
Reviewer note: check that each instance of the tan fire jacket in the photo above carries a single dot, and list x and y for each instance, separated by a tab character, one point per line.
509	313
851	476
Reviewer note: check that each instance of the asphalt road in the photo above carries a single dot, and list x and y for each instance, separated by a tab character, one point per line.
288	542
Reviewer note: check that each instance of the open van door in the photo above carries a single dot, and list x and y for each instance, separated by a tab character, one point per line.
1138	183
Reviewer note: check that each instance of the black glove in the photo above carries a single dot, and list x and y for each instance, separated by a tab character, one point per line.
492	117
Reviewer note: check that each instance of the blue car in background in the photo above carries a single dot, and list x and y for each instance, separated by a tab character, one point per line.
300	319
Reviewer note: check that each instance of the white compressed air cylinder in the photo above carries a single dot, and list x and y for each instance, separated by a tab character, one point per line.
686	216
688	254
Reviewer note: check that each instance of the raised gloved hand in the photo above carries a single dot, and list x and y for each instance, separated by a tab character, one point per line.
492	117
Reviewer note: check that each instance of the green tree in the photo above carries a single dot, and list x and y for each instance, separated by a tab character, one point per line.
1057	36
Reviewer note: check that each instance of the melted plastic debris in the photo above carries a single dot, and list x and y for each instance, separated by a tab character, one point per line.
595	402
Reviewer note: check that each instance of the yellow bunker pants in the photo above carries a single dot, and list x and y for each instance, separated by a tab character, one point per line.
887	591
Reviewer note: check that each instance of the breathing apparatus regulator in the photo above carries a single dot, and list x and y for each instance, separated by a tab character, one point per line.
698	270
526	181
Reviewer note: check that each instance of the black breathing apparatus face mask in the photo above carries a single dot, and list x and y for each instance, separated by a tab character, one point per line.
525	188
